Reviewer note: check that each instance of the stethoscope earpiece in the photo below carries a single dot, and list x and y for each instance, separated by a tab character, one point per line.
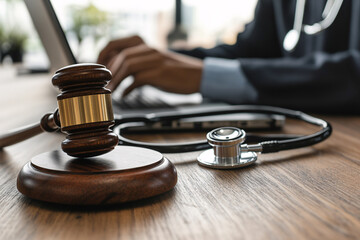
227	152
291	40
329	14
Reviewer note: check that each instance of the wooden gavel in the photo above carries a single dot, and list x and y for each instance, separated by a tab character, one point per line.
84	112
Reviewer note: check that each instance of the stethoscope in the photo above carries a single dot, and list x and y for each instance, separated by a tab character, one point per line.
329	14
228	143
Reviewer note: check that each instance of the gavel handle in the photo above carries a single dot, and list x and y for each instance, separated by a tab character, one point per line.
47	123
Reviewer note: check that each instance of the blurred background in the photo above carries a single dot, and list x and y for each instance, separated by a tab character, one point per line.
90	24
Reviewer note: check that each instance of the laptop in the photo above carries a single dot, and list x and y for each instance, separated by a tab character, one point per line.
144	100
60	54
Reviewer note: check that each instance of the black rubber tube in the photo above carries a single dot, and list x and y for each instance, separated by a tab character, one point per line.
277	142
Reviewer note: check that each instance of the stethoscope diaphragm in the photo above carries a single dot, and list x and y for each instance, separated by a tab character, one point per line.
227	152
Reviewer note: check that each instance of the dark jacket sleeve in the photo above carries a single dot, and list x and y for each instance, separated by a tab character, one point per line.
317	82
320	82
259	39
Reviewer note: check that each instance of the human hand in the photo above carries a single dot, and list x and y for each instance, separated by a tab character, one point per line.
114	47
168	71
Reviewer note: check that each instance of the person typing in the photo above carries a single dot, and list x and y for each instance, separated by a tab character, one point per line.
321	73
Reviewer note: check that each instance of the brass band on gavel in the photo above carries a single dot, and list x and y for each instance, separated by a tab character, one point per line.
85	109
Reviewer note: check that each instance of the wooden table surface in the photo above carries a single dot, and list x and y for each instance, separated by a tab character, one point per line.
310	193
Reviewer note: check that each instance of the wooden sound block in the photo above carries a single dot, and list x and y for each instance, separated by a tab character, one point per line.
122	175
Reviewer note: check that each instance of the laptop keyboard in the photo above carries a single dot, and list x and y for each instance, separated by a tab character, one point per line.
148	97
140	100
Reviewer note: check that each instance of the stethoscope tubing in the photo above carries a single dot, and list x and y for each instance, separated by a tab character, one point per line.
269	143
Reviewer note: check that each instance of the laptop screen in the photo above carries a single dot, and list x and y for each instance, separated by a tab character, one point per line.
89	25
51	33
76	32
83	25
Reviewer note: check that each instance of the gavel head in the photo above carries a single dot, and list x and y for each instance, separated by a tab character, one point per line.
85	110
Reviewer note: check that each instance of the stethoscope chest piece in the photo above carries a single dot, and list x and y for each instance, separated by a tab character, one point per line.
226	152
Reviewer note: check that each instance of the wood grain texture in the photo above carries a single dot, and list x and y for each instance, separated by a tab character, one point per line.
47	123
17	135
123	175
85	139
310	193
